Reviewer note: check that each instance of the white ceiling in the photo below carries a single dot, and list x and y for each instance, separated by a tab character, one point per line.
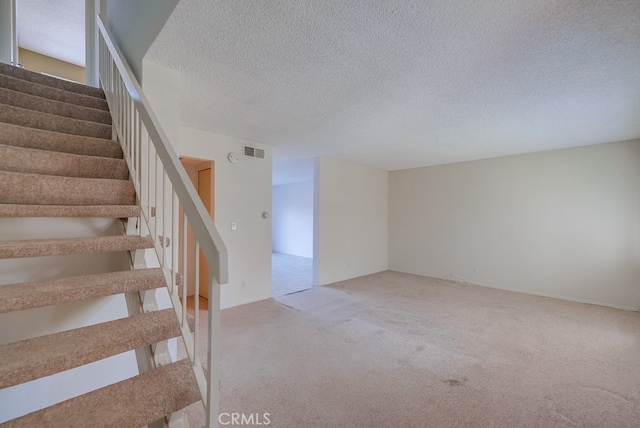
407	83
391	84
53	28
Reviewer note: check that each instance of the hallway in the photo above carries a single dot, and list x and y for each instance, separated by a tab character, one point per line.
290	274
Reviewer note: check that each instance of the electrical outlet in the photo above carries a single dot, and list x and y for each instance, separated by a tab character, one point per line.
234	225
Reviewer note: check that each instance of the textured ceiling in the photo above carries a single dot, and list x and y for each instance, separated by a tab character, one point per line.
407	83
53	28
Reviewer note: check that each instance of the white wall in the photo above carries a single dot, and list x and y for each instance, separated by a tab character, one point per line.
350	222
242	190
6	16
562	223
45	64
135	26
161	87
287	171
292	219
242	193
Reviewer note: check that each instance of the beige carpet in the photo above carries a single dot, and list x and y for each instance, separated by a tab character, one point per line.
398	350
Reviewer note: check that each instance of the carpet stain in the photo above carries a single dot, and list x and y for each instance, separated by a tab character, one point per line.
453	382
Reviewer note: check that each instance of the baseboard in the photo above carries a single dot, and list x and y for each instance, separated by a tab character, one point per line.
535	293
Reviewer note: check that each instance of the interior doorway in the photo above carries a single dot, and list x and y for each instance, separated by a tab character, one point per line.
292	227
202	175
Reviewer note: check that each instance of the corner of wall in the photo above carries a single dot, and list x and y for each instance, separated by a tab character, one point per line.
352	220
242	192
560	223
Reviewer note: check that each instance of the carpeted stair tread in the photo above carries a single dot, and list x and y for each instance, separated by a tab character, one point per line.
33	161
41	79
35	189
52	122
101	211
17	297
15	135
59	108
57	159
61	246
43	356
52	93
134	402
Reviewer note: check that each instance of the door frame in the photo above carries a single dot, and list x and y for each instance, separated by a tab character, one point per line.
193	166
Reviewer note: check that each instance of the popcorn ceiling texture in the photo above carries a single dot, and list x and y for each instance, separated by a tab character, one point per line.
53	28
412	83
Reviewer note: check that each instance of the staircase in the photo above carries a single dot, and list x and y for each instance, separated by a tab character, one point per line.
58	160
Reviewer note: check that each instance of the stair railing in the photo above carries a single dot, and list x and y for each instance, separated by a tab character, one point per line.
171	212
